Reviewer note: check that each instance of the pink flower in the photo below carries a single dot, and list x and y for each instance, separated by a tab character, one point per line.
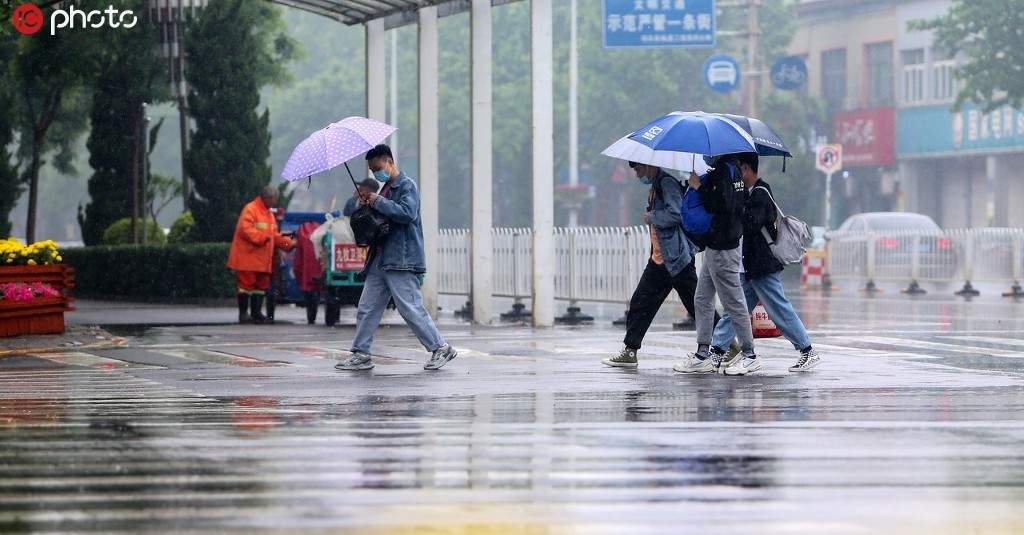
21	292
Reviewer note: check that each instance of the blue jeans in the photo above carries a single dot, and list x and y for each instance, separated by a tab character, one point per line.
769	291
404	286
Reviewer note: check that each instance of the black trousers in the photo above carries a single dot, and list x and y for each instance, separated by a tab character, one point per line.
655	285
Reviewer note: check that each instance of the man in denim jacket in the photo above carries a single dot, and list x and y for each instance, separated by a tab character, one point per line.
669	267
394	267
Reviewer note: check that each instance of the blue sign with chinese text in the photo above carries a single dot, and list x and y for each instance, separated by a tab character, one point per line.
722	73
789	73
659	23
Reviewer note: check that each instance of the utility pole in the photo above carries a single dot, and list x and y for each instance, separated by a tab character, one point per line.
144	179
136	171
754	73
182	87
574	168
394	91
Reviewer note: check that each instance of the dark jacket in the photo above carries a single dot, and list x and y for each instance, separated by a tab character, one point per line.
403	248
676	249
760	212
723	196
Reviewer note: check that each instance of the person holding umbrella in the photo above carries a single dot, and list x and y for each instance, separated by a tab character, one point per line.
397	259
722	194
394	267
677	141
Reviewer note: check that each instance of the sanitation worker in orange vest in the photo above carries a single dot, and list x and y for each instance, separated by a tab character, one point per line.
252	253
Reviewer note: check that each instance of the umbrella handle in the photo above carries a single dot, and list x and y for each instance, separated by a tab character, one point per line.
351	177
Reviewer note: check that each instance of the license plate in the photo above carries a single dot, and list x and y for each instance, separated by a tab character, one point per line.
349	257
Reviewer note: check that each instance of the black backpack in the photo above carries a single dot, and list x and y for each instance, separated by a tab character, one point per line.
369	226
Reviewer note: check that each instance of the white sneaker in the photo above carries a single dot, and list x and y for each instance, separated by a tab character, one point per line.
440	357
806	362
356	362
744	366
695	364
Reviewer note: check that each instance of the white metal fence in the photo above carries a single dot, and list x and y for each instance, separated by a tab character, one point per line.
603	264
595	264
959	255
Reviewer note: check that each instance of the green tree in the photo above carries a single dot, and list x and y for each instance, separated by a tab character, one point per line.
10	183
988	34
51	75
131	73
235	47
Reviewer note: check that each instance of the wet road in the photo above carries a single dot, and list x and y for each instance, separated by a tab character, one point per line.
913	424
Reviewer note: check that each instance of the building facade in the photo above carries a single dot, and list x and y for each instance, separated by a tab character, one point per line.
890	93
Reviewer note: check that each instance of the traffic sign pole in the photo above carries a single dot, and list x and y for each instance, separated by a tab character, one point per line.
828	160
828	201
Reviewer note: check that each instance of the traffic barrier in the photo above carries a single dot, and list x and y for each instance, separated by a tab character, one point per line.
603	264
812	269
913	257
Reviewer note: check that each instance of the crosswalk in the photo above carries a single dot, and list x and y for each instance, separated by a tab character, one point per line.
523	433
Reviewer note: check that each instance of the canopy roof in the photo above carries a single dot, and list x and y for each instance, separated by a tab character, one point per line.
394	12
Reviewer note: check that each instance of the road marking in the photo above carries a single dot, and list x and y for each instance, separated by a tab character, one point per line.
926	345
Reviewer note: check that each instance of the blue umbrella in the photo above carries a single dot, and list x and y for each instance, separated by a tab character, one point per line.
694	132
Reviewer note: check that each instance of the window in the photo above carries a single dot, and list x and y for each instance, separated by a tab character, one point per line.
944	83
879	66
833	78
913	76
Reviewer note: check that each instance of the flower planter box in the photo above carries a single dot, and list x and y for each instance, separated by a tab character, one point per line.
42	315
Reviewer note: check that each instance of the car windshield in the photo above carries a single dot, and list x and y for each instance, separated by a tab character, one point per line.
901	222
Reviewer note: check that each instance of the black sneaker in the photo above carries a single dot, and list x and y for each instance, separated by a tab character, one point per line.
625	359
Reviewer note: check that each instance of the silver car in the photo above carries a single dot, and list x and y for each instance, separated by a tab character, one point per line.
894	237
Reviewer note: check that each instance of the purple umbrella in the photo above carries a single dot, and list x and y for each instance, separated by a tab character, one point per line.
334	145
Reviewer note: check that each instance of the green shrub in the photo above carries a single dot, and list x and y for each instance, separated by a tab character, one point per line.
152	272
182	231
120	233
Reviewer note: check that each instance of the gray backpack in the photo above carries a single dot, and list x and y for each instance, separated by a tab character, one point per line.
792	233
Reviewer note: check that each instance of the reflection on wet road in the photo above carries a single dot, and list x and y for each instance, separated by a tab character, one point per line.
914	424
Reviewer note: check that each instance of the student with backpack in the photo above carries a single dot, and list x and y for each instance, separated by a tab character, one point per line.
722	196
761	266
670	266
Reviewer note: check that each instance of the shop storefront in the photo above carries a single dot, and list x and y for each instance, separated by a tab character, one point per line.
964	168
869	160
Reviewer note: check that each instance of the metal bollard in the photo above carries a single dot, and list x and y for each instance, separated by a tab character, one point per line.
968	290
1016	291
518	312
628	271
869	267
573	314
915	267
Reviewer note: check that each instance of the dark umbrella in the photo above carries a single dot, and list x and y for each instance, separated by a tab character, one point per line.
767	142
